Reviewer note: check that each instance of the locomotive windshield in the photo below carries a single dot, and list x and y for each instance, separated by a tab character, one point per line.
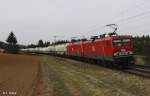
117	42
126	41
121	42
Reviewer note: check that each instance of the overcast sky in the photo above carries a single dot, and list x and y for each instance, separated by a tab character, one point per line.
32	20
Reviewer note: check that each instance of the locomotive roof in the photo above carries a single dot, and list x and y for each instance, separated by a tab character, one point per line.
105	38
122	37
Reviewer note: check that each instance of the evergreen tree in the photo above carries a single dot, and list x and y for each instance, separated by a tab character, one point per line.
11	39
40	43
12	46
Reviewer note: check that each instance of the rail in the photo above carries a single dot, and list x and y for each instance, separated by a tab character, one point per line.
140	70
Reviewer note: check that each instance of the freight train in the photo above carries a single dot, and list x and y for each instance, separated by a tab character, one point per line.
112	50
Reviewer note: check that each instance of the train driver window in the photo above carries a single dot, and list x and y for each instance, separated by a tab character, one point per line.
126	41
117	42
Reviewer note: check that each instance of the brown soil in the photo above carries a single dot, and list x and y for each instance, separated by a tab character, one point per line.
18	74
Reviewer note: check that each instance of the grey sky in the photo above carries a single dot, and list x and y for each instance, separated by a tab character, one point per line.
32	20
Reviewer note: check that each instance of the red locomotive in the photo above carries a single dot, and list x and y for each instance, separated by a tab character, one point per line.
115	49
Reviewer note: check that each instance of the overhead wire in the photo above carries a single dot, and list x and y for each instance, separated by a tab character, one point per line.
137	5
135	16
128	9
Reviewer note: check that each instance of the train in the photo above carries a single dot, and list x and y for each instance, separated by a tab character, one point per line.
109	50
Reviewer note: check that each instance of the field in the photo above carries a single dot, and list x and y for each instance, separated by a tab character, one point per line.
65	77
18	75
24	75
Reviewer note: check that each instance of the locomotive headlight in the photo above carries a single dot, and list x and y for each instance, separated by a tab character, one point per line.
130	52
116	54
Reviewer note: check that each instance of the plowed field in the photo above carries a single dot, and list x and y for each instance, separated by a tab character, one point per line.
18	74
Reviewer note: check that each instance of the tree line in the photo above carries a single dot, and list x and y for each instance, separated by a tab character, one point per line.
46	44
142	45
39	44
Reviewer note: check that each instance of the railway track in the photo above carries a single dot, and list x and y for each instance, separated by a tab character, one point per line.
140	70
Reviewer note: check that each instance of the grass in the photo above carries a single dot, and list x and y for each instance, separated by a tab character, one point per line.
74	79
57	83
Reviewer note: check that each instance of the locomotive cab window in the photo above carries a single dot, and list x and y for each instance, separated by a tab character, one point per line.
117	42
126	41
121	42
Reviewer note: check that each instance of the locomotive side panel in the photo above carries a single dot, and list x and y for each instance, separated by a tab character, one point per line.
108	49
86	49
97	50
74	49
